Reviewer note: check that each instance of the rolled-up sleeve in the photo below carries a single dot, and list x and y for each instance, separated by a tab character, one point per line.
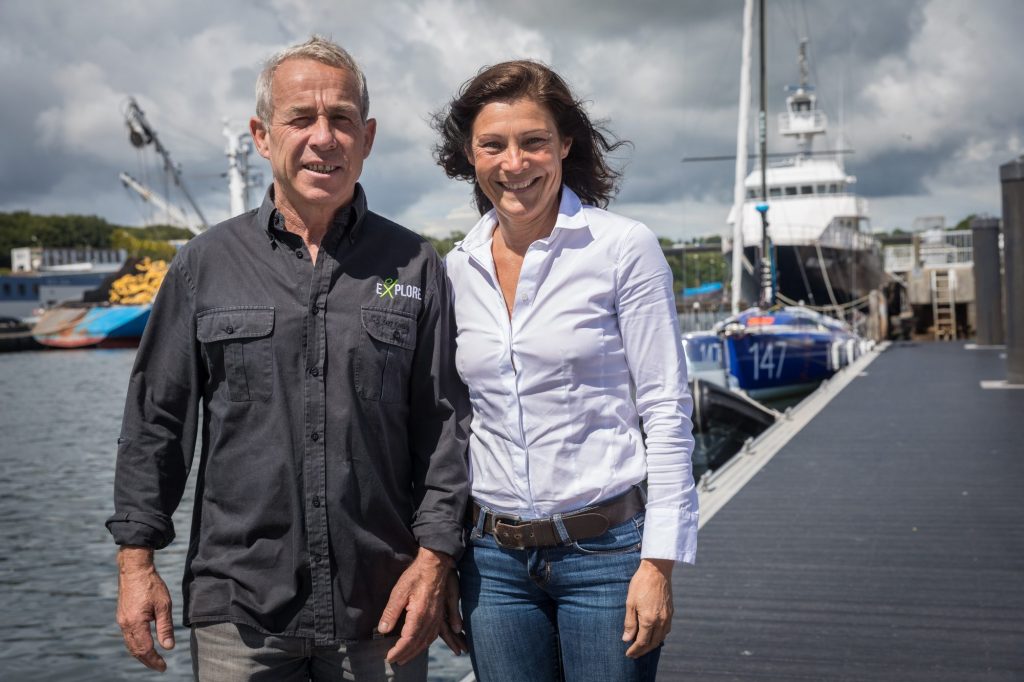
158	432
651	338
439	416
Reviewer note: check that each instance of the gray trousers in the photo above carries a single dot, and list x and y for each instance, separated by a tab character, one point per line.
231	652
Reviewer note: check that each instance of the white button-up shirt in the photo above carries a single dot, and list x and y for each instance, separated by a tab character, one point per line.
555	424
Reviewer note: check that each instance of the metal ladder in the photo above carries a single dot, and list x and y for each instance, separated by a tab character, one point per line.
943	305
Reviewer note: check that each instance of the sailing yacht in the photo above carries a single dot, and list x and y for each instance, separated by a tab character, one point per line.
824	254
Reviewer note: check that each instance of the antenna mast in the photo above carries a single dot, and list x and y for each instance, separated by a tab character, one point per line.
140	133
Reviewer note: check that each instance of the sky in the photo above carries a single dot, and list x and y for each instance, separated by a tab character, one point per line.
928	93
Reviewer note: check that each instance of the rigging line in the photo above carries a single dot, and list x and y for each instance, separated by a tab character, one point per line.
824	275
803	273
856	303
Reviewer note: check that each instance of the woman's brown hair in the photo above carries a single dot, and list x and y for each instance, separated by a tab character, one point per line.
584	170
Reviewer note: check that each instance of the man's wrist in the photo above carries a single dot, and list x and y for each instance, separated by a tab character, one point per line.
436	557
134	558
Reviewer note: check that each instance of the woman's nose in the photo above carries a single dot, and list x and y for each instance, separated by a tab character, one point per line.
515	160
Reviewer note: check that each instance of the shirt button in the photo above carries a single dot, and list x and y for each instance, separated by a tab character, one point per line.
315	371
298	254
315	309
316	501
229	329
315	436
315	558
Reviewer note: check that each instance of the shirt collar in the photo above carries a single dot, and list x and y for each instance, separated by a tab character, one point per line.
570	217
348	220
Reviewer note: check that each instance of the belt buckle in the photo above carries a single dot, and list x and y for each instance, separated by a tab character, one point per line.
501	521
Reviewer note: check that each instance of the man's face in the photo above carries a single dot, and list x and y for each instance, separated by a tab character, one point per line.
316	141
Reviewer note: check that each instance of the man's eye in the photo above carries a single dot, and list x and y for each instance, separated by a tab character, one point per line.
301	121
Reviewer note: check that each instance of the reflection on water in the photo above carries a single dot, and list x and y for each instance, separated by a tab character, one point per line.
60	413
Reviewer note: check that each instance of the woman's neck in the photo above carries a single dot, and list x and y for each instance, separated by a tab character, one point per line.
518	235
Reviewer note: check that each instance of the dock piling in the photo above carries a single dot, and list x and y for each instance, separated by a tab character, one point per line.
988	282
1012	176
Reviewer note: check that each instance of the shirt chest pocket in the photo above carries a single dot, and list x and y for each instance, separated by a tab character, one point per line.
383	359
238	346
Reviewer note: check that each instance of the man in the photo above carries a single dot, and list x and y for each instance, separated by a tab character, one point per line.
317	337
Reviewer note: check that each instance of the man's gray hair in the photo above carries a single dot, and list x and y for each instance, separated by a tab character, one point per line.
318	49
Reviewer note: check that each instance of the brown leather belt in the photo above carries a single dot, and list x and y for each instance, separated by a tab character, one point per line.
512	532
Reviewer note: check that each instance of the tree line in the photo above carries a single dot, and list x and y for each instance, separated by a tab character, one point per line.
22	228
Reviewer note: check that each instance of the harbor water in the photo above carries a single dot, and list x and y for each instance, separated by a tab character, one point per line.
60	413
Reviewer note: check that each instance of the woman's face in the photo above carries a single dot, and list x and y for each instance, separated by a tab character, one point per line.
517	154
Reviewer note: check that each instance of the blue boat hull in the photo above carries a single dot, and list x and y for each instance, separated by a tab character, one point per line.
773	362
772	354
104	326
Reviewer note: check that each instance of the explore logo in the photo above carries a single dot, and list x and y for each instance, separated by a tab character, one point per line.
390	288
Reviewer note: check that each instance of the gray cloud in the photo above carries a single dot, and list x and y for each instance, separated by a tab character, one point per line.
927	89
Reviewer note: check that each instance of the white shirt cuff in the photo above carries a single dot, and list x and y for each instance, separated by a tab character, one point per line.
670	534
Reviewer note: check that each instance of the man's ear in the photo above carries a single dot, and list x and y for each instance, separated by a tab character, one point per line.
369	133
259	136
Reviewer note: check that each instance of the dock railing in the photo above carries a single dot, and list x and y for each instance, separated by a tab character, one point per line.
700	320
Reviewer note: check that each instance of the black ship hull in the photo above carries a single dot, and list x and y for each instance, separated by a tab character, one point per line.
801	275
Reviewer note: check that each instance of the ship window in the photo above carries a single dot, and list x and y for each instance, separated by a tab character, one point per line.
751	193
822	189
35	289
832	189
775	191
7	289
790	191
807	189
21	290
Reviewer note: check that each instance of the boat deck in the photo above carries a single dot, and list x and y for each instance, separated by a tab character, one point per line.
884	541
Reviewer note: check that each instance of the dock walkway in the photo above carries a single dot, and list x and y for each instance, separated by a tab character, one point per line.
884	541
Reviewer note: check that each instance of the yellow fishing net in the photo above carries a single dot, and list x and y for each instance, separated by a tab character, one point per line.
140	287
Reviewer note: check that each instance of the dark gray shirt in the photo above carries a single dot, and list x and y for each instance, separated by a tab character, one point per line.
334	424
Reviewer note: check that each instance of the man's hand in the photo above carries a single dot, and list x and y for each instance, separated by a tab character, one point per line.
420	593
648	606
143	598
451	625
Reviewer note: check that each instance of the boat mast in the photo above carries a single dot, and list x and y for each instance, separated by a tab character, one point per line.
767	296
239	176
140	133
802	119
742	127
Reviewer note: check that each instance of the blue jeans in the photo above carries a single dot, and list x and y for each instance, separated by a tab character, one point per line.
553	613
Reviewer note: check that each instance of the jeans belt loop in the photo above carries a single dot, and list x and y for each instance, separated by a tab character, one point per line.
478	528
563	534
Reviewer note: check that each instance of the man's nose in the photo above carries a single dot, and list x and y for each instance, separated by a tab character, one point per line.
323	133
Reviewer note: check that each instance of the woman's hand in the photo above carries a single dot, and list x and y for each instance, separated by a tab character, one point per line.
648	606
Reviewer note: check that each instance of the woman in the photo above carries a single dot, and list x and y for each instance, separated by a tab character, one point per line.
561	309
